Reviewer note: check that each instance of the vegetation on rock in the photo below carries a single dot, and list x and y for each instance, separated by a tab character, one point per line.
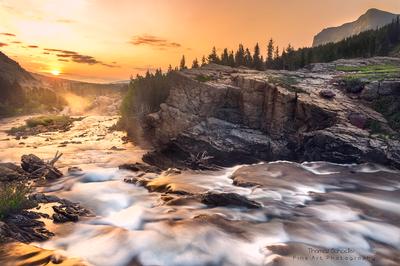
13	197
42	124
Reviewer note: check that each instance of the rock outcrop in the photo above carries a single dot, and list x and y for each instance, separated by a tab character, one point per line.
240	115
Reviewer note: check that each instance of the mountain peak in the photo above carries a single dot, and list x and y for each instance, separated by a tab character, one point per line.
372	19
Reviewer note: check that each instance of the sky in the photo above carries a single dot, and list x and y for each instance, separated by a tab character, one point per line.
110	40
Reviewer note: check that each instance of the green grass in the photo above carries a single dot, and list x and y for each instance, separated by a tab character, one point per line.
13	197
203	78
370	72
48	120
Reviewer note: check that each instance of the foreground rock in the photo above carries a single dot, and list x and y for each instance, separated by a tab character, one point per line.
20	215
241	115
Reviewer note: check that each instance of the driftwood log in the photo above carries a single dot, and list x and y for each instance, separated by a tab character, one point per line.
38	168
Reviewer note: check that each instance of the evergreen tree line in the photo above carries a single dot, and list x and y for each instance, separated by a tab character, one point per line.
146	93
379	42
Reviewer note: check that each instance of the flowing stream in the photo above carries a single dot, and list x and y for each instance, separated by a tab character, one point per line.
313	213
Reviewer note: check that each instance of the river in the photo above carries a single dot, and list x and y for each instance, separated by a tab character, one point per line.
356	223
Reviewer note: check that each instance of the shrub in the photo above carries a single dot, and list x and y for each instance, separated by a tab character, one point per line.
12	198
48	120
203	78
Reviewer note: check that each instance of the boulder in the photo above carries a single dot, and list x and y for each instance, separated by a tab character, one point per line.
327	94
358	120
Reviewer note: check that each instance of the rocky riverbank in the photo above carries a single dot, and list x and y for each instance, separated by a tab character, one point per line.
344	112
22	215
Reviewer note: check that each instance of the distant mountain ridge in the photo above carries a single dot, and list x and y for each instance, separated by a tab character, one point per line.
372	19
24	92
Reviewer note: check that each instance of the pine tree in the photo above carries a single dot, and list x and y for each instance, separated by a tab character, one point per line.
182	64
276	54
248	59
257	63
239	56
213	57
170	68
195	63
203	61
270	54
231	59
225	57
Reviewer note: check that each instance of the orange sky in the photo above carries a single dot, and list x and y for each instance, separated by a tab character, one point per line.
109	40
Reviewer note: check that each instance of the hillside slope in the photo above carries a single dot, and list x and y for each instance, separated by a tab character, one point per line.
372	19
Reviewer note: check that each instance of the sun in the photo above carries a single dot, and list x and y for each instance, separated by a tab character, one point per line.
55	72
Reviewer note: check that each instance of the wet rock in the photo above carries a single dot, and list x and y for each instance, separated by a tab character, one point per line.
228	199
43	198
172	171
358	120
327	94
69	212
137	180
115	148
75	171
136	167
11	172
25	228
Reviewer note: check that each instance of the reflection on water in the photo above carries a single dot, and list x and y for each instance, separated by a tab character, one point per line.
309	210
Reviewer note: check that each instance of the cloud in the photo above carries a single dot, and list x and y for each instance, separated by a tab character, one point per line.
32	46
16	42
154	41
3	44
67	56
8	34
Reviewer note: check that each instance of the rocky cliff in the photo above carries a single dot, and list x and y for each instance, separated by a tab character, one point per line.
371	20
326	112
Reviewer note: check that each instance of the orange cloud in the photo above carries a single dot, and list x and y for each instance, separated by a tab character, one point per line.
3	44
8	34
76	57
155	41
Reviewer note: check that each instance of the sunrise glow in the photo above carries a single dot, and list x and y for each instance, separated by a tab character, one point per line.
100	41
55	72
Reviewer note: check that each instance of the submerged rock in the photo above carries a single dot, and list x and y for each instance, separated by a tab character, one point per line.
228	199
140	167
